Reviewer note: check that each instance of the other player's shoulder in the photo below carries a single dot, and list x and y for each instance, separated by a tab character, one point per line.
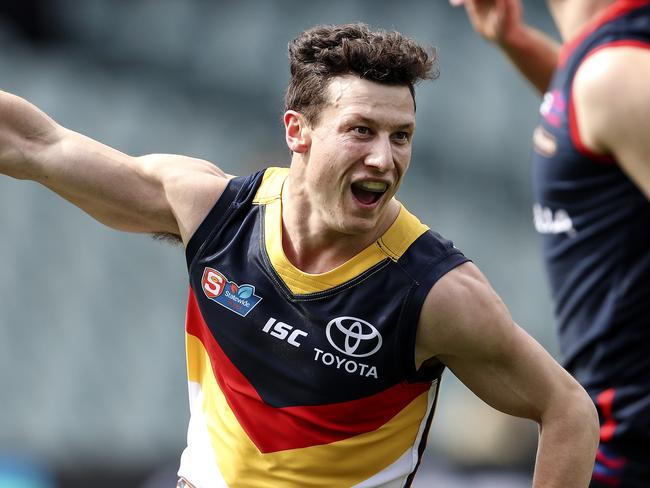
614	70
611	94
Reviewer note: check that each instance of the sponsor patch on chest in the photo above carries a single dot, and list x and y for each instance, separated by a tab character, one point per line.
240	299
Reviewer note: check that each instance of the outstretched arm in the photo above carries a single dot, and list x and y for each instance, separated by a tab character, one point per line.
465	325
155	193
532	52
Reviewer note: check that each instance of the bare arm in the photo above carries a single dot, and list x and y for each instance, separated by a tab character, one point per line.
612	102
466	326
532	52
155	193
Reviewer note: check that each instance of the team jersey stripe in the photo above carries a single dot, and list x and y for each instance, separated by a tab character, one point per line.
295	426
392	245
615	10
574	128
271	187
405	231
343	463
198	461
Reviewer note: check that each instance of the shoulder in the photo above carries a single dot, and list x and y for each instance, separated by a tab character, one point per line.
611	94
613	67
424	253
191	186
462	314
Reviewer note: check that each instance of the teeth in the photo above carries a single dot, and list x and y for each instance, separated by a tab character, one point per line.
374	186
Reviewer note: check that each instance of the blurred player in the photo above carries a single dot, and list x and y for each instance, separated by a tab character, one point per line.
321	312
591	174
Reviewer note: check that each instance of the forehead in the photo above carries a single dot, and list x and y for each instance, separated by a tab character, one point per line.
351	95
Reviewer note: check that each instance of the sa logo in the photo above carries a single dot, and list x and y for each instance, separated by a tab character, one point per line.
213	282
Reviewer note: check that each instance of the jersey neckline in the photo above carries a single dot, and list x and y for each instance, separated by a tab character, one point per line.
391	245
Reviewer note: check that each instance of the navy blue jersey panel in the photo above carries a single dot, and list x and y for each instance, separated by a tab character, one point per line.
238	189
429	258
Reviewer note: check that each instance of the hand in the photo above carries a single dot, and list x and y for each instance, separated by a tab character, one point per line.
495	20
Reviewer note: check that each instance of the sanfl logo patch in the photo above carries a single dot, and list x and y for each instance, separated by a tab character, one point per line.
240	299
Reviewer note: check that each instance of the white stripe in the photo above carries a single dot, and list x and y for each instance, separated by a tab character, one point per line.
395	475
199	461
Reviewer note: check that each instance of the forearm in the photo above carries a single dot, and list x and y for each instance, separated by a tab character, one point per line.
533	53
567	447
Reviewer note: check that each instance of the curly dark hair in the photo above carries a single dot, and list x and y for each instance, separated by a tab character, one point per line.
323	52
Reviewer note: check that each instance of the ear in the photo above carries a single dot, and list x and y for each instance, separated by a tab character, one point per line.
297	132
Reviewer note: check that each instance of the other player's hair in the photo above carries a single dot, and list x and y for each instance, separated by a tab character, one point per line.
323	52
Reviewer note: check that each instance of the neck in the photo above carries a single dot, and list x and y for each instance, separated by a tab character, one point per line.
572	15
310	245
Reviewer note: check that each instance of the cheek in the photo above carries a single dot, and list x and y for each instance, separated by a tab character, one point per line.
402	162
323	166
321	178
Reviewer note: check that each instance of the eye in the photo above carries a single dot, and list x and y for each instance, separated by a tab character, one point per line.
401	136
361	130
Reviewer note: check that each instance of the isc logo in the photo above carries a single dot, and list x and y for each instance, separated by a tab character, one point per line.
283	331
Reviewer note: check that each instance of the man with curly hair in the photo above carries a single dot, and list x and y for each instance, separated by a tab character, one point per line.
321	313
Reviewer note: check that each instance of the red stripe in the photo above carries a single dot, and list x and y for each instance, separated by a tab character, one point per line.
616	9
574	130
605	401
275	429
610	462
606	479
574	133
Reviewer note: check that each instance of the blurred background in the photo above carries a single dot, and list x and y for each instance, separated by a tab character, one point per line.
92	368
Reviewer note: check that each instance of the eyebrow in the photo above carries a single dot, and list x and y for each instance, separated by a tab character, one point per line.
362	118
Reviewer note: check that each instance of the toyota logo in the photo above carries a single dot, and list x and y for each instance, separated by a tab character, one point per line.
353	337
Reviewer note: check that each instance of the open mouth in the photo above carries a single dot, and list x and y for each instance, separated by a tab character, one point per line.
369	192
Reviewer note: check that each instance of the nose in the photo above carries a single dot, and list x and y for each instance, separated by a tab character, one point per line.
380	156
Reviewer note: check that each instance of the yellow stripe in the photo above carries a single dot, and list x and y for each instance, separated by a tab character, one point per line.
395	241
341	463
271	187
404	231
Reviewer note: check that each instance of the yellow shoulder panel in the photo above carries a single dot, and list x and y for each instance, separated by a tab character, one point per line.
271	187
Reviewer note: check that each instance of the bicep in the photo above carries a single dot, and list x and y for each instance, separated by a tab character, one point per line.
517	377
157	193
470	330
154	193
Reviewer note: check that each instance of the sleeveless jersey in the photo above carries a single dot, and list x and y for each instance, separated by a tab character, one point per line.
305	380
596	241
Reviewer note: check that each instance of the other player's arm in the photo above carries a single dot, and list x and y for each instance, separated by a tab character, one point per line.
155	193
611	97
531	51
466	326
